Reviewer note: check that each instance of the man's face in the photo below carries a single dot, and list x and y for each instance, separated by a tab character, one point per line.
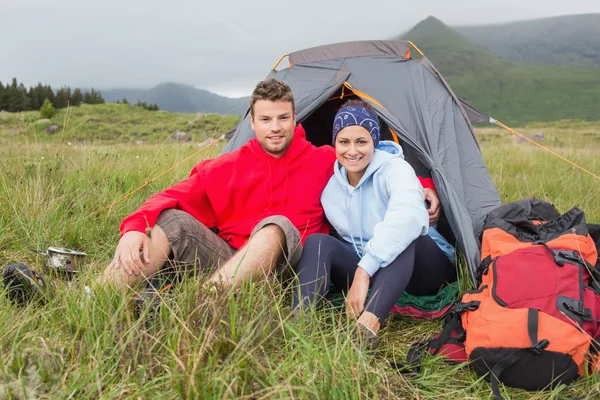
274	123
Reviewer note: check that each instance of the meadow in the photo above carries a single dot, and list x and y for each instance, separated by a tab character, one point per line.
56	190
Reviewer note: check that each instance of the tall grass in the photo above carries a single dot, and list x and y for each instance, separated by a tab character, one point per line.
54	190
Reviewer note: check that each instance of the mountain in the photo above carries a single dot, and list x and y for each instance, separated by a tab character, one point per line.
176	97
512	92
567	41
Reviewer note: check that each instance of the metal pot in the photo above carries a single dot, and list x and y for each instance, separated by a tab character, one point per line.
63	260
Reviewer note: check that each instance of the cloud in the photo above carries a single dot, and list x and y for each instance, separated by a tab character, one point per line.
224	46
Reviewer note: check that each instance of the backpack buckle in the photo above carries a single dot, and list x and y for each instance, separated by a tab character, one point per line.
460	308
539	347
573	309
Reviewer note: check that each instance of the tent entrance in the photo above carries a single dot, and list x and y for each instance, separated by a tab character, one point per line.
319	123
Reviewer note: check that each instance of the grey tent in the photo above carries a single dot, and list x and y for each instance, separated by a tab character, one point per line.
418	109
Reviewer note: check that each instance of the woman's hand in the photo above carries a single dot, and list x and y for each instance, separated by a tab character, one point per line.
357	295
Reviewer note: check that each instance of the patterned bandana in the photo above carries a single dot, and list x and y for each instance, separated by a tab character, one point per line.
360	116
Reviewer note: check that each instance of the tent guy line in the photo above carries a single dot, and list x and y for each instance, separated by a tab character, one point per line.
515	133
146	183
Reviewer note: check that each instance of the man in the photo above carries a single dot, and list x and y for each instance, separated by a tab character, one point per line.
263	199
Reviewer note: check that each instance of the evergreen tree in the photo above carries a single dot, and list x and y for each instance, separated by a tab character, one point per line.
95	97
3	102
48	93
47	110
25	100
16	97
125	100
87	98
39	94
146	106
35	96
76	98
62	97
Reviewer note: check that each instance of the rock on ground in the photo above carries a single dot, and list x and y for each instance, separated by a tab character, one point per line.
198	117
536	137
52	129
180	136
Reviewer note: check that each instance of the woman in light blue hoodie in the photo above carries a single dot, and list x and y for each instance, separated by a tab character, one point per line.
375	203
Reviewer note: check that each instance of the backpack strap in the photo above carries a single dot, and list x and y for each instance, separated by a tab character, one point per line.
537	347
452	333
554	254
482	269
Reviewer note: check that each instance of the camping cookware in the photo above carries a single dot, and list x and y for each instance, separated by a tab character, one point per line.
63	260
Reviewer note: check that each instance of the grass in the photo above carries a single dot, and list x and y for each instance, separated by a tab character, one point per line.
115	123
55	190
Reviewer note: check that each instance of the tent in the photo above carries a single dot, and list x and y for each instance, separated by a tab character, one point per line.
417	108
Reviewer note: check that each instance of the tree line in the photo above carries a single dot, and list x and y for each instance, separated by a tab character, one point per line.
143	104
15	97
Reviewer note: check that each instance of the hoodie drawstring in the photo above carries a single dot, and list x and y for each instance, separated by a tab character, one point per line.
359	253
362	246
270	185
285	184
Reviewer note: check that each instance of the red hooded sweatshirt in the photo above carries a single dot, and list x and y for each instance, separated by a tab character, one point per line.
236	190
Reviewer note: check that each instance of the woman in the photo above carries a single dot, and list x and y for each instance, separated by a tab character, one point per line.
375	203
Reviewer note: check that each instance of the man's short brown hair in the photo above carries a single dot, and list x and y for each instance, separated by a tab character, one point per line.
271	90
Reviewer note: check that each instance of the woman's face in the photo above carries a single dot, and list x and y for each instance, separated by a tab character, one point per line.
354	149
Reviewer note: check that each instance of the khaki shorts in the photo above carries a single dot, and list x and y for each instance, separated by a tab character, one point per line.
194	247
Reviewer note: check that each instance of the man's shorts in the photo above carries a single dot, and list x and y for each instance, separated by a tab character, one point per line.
194	247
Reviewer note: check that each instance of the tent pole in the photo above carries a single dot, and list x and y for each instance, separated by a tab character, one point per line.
416	48
280	59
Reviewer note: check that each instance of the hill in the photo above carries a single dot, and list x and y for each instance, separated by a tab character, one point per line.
567	41
512	92
176	97
120	123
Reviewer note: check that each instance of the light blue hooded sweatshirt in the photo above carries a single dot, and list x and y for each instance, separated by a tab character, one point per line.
384	213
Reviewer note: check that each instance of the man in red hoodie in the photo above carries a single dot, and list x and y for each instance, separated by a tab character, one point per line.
262	200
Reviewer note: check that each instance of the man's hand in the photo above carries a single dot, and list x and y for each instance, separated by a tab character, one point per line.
434	205
127	255
357	295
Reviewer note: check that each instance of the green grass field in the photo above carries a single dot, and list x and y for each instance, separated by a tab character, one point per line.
55	190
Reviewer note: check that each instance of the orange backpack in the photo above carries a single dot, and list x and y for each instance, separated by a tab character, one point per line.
534	320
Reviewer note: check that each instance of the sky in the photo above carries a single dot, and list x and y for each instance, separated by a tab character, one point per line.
223	46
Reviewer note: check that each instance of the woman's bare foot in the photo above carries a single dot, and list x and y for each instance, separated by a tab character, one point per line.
370	321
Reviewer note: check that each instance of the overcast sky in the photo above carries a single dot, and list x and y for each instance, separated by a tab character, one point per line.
224	46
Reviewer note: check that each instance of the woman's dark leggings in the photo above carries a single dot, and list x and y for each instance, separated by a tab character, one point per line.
422	269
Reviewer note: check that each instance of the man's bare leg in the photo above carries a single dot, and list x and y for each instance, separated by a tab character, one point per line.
160	249
255	260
